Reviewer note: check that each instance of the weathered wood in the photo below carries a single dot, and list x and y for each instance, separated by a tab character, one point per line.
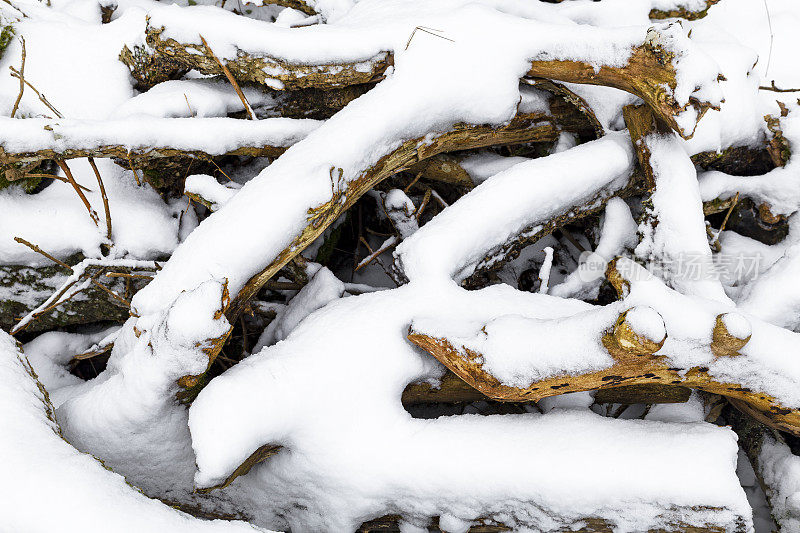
450	389
648	74
164	59
752	435
683	12
390	524
634	364
649	393
495	260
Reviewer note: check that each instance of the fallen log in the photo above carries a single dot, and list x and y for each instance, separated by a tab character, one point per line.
649	72
575	177
622	344
391	524
25	143
166	58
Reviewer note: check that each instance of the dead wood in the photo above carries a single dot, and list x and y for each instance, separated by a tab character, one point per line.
683	12
165	59
648	74
390	524
495	259
634	364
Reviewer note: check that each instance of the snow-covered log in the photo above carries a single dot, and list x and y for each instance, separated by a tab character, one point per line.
576	183
672	231
369	458
652	335
329	56
25	143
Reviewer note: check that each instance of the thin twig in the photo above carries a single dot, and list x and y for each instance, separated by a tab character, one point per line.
93	353
715	242
423	205
429	31
387	244
773	88
16	74
282	286
110	293
68	173
771	38
58	178
413	182
438	198
133	168
21	79
42	252
251	115
103	196
126	275
191	111
211	160
49	304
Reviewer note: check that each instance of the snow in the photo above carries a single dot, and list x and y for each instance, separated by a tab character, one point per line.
209	189
520	351
675	240
483	165
689	322
191	98
618	233
128	416
320	290
42	469
49	354
144	226
780	470
737	325
367	457
645	321
778	187
327	385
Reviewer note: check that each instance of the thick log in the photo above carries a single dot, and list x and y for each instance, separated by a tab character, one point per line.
648	393
450	389
634	362
165	58
391	524
26	143
648	74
